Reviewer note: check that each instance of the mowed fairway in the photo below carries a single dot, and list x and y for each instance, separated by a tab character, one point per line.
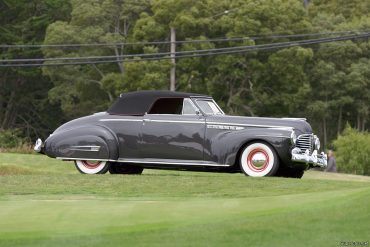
45	202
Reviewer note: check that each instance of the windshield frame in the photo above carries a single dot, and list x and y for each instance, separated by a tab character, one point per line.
195	107
195	100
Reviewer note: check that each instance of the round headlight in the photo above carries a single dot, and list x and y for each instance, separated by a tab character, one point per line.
317	144
293	137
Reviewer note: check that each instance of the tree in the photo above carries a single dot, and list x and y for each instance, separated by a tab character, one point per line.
85	89
358	80
352	151
234	80
334	97
328	83
23	91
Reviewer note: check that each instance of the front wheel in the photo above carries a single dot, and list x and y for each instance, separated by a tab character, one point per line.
92	167
259	160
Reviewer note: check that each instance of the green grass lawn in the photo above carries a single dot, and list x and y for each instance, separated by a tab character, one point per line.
45	202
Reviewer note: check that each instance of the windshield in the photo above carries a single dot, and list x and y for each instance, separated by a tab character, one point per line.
209	107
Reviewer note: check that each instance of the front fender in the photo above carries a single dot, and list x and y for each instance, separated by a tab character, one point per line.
224	146
84	142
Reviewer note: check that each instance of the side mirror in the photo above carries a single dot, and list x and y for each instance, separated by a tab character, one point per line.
197	112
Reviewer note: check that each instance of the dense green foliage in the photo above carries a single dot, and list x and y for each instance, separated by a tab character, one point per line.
24	102
45	202
353	152
328	83
11	138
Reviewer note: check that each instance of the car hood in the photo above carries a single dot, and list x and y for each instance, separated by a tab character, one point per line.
299	125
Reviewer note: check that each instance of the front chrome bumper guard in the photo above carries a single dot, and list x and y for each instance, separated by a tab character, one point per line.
314	159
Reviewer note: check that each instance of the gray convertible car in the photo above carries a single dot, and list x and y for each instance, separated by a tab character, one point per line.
183	131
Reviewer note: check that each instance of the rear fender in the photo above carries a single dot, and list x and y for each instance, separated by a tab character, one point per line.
84	142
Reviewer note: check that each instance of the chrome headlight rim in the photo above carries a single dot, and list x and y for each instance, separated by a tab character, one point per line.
293	137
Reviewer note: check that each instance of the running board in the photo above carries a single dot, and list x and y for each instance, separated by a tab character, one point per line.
172	162
155	161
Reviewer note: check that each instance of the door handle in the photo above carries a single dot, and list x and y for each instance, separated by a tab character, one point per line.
146	120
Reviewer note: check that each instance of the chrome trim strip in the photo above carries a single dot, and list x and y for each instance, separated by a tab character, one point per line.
274	136
158	114
155	161
174	121
224	127
100	113
193	122
249	125
200	96
283	128
85	148
293	118
151	120
196	122
172	162
66	158
119	120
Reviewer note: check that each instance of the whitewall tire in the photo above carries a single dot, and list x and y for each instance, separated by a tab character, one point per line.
92	167
259	160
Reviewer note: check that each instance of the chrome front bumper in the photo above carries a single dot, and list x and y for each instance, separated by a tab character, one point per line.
314	159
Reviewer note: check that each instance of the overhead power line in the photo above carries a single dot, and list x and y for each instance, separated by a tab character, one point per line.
322	40
182	54
266	36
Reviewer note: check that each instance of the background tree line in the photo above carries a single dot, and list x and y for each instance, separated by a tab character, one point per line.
327	83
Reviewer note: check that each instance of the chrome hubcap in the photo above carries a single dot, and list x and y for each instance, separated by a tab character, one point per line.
91	164
259	160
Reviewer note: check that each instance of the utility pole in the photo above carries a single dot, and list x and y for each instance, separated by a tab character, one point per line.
173	60
306	3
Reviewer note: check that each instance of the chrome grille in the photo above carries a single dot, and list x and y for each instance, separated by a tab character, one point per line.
305	142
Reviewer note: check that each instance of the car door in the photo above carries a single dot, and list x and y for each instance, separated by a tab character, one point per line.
127	130
176	136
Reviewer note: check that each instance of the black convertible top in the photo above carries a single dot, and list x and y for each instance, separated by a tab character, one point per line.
140	102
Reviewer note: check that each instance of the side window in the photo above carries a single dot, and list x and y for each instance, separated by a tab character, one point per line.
188	108
167	106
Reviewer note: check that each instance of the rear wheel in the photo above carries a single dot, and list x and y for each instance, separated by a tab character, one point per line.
92	167
259	160
121	168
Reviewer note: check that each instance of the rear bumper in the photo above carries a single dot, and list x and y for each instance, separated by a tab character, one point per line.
39	146
313	159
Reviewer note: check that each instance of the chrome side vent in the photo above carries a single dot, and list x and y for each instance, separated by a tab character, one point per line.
304	142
